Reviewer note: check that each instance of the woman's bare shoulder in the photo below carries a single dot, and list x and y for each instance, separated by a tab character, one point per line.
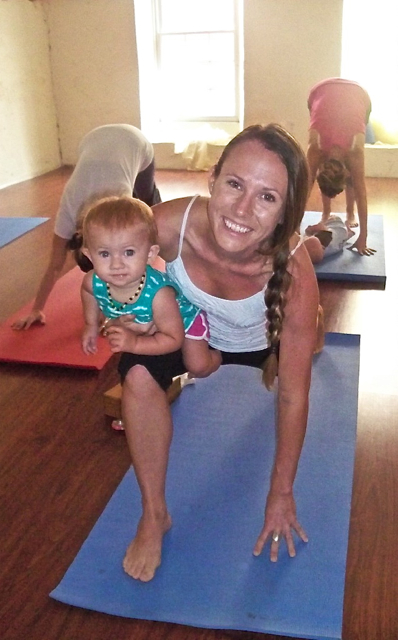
169	216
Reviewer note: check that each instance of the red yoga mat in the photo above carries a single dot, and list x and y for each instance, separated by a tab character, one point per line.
57	343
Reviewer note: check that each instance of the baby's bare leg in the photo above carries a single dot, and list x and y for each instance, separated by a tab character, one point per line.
199	359
148	426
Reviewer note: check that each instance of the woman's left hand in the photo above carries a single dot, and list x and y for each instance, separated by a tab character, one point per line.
279	522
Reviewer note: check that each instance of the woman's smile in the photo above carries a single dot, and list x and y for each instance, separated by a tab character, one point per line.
235	227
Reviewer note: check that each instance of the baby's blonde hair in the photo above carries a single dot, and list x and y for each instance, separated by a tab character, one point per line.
117	212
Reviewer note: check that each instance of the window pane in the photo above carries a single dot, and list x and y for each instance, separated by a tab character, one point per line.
178	16
198	76
195	48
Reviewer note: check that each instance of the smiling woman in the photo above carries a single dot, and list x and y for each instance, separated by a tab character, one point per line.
237	256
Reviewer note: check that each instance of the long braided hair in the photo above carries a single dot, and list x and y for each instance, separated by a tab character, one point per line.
275	138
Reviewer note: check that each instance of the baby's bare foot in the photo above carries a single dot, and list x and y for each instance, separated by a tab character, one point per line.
144	553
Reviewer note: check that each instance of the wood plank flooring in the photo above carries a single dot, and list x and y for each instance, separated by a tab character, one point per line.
60	462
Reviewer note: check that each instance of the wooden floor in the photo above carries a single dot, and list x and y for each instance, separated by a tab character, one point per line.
60	462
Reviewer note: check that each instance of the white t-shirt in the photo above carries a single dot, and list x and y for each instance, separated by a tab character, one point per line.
110	158
339	236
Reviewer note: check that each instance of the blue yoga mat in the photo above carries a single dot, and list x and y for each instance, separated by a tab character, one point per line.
13	228
218	478
349	265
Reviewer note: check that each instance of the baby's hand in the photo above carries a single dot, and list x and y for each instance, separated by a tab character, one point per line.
121	339
89	339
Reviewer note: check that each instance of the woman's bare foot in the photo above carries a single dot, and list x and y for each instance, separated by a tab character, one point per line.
144	553
350	221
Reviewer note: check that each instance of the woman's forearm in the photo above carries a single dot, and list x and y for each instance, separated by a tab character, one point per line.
290	433
52	273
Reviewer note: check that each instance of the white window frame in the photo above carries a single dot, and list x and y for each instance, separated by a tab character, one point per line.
148	39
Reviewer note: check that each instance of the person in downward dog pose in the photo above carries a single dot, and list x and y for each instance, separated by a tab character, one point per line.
339	111
115	159
236	255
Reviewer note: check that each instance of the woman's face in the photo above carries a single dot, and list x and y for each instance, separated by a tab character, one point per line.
247	198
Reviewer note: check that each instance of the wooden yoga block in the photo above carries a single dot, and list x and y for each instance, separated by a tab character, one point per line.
112	398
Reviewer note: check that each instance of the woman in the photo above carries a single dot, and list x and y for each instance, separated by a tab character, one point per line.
114	159
235	253
339	111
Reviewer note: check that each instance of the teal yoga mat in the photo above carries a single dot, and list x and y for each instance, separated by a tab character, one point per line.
220	463
349	265
13	228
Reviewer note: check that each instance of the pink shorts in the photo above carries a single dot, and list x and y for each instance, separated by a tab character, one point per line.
199	329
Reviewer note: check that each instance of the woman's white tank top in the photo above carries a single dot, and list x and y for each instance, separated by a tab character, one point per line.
235	325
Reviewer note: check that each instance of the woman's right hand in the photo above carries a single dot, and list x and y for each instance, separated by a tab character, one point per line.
35	317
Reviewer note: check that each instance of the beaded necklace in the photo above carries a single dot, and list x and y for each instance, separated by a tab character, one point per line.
131	298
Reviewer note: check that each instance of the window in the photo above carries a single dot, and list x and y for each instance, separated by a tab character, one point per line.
189	63
370	56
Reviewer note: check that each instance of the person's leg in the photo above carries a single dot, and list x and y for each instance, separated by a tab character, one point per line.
145	188
326	207
200	361
350	204
148	426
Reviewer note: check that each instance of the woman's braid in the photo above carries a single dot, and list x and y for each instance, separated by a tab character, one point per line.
275	300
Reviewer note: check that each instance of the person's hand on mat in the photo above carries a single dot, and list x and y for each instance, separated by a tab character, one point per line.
280	520
89	339
361	247
35	317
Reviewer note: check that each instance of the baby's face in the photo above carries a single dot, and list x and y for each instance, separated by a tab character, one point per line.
119	256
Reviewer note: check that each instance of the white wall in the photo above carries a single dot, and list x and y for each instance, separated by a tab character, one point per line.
289	46
94	65
28	127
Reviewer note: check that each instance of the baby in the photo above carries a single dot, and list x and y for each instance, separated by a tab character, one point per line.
327	238
120	239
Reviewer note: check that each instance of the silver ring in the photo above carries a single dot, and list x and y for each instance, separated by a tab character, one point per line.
275	537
